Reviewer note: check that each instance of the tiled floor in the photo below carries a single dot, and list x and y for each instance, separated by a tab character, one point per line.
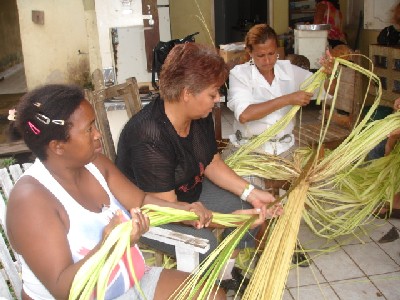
361	268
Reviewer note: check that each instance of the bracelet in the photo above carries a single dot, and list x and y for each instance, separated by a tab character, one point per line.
247	190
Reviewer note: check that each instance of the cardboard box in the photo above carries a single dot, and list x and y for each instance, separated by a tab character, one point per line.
234	57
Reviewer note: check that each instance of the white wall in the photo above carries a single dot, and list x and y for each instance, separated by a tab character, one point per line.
73	41
109	15
51	51
131	54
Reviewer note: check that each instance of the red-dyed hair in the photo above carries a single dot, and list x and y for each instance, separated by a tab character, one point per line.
259	34
192	66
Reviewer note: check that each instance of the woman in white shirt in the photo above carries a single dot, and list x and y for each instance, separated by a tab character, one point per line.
263	90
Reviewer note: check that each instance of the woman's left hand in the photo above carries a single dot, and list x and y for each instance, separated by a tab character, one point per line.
205	215
140	224
327	61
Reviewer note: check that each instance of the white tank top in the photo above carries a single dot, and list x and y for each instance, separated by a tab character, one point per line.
84	234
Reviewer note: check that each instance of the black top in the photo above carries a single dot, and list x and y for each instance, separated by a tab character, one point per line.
389	36
157	159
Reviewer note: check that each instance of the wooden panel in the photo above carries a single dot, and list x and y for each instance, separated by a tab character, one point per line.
151	29
128	91
345	96
13	148
386	62
309	135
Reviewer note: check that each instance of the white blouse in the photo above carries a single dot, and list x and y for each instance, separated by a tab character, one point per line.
247	86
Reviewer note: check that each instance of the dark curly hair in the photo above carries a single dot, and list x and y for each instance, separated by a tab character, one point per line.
40	114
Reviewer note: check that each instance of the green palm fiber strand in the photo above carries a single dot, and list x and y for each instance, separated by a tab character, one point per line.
97	268
206	273
84	273
132	270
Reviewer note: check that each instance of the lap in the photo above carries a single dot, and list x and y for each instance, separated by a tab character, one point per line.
147	286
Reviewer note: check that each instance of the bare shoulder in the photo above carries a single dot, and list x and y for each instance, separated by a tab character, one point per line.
27	192
31	209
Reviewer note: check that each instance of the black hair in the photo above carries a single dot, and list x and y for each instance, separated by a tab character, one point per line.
43	114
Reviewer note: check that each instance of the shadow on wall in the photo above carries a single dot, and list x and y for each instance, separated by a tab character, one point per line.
79	73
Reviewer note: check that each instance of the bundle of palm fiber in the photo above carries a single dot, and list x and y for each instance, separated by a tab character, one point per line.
339	190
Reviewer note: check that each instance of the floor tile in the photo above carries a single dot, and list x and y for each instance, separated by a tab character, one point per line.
392	249
356	289
286	295
311	292
388	285
301	276
371	259
337	265
309	240
365	233
358	237
378	229
395	222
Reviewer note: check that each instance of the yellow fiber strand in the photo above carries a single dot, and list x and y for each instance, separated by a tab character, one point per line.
269	278
339	190
96	271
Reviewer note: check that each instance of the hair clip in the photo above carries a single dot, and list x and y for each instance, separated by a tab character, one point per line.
34	129
37	104
42	118
46	120
58	122
11	114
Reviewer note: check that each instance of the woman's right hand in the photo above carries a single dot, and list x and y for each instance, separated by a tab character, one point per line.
300	98
141	224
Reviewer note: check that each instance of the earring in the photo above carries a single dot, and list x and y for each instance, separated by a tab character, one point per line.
251	61
277	55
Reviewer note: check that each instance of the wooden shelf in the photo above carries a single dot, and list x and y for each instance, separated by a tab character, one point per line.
386	60
301	7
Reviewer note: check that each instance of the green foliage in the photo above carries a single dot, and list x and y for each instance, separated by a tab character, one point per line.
6	162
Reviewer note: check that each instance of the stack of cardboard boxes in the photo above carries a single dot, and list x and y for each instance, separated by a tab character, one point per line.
240	55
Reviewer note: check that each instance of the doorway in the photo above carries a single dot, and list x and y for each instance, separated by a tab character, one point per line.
233	18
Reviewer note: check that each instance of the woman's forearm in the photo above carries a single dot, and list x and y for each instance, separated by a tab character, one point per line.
258	111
